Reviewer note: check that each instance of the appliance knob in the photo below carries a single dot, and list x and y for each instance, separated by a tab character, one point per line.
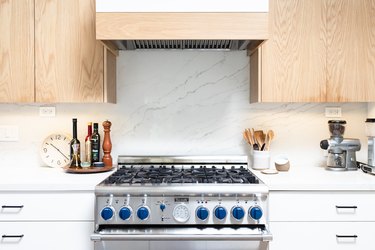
162	206
238	213
202	213
125	213
220	212
255	212
107	213
143	213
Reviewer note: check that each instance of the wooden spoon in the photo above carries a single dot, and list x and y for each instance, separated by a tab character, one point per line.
269	138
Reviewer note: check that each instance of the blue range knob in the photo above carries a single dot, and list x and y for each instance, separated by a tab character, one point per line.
238	213
162	206
256	213
220	213
143	213
202	213
107	213
125	213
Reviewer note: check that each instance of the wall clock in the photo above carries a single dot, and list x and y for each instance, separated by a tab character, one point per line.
55	150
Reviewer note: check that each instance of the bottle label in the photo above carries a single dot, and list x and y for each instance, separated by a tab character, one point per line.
95	145
76	155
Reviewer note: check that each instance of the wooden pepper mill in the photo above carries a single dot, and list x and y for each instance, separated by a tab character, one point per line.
107	144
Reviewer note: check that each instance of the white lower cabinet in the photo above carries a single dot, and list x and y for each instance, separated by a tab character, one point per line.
70	235
322	235
53	220
320	220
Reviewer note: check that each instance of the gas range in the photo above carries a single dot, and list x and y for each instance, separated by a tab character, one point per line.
151	197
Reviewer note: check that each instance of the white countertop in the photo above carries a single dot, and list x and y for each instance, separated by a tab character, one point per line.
316	179
48	179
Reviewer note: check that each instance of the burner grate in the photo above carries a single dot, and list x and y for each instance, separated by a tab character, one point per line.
150	174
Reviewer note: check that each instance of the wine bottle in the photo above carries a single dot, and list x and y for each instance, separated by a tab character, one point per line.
75	147
95	144
88	157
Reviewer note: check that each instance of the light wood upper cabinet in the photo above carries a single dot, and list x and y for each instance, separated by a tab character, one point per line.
16	50
351	50
49	53
292	61
318	51
69	62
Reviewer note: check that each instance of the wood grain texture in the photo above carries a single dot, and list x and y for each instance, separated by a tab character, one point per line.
129	26
69	60
351	50
16	51
256	76
109	76
294	57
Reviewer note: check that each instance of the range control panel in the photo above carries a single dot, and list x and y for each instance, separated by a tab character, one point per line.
181	210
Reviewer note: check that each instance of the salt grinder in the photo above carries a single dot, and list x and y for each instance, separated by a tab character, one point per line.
107	144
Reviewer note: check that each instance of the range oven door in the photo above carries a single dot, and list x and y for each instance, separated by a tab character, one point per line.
182	238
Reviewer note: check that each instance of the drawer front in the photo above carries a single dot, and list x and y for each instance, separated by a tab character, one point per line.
47	206
321	206
322	235
46	235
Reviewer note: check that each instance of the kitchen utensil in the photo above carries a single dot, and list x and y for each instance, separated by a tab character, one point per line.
269	138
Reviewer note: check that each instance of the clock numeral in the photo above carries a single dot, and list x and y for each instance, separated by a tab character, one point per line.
58	137
58	162
47	156
45	150
52	161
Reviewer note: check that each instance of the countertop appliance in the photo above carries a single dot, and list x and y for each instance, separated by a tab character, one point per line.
176	202
341	151
193	24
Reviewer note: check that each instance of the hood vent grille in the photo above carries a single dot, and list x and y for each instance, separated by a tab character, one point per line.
183	44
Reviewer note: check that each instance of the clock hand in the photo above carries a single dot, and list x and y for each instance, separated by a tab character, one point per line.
59	151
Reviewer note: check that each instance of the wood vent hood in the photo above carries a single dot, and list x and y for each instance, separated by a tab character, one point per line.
191	25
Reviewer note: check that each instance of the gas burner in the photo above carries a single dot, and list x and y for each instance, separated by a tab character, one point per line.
171	174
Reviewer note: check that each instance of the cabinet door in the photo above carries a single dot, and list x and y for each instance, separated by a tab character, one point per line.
293	59
322	235
69	60
351	50
72	235
17	51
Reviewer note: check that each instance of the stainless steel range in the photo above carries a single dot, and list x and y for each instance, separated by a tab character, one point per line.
181	203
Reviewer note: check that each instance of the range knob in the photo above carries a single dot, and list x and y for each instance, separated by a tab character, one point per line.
162	207
238	212
255	212
107	213
202	213
143	213
220	212
125	213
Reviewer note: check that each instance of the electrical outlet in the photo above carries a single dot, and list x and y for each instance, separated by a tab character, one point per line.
8	133
47	111
333	112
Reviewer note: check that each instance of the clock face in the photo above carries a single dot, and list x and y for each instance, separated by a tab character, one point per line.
55	150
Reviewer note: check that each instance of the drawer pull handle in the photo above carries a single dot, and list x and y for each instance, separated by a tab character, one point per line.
347	207
346	236
12	236
6	206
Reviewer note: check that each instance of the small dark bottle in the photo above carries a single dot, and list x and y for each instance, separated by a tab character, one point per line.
75	148
95	144
88	143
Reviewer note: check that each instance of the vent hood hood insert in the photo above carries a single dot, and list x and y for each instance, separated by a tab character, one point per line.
193	24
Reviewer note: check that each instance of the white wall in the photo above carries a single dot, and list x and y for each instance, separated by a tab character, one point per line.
184	103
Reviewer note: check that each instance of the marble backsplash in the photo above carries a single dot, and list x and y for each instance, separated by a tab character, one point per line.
183	103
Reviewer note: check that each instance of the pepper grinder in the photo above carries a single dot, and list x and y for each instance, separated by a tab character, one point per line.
107	144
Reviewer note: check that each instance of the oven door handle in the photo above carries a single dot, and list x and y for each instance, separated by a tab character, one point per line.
263	235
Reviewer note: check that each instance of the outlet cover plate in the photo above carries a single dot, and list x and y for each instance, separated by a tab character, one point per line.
334	112
47	111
